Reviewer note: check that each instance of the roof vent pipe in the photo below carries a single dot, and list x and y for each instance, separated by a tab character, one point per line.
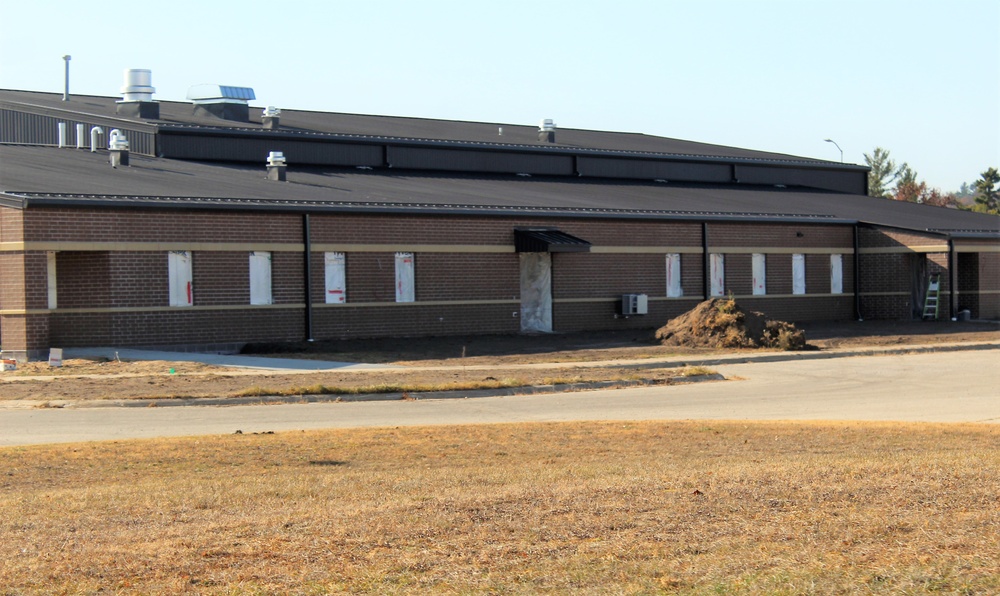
547	131
271	118
118	148
80	128
276	166
67	58
62	134
97	130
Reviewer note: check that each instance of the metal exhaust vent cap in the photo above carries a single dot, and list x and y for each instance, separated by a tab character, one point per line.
138	85
547	125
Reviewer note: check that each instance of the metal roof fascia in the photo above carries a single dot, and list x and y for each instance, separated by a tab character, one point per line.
486	210
236	132
77	114
13	201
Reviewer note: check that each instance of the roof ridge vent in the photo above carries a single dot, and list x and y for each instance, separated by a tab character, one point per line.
222	101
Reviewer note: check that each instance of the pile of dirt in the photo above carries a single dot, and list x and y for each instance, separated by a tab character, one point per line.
721	323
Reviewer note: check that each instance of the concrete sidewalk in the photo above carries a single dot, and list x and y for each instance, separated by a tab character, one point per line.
289	365
229	360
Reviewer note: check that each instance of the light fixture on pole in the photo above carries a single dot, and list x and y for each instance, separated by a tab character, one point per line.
838	148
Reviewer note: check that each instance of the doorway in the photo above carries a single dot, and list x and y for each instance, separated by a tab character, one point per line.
536	292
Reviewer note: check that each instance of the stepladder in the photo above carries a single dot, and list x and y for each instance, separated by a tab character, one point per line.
932	300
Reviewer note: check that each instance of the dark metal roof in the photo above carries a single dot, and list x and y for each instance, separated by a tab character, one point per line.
181	116
548	240
49	176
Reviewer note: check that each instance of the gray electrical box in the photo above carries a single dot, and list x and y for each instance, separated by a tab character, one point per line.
635	304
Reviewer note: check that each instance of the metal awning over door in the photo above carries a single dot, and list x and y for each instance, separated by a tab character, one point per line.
548	240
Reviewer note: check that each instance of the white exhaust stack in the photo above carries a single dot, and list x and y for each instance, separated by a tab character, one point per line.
276	166
547	131
271	118
118	148
137	95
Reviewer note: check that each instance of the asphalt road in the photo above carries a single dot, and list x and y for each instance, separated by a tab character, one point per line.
934	387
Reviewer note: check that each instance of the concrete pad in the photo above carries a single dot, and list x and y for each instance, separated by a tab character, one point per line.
230	360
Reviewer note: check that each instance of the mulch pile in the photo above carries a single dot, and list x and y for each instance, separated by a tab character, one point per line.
721	323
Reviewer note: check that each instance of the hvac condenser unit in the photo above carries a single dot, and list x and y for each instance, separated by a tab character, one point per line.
635	304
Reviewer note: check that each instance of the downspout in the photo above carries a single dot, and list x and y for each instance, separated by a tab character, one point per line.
705	262
952	279
307	262
857	276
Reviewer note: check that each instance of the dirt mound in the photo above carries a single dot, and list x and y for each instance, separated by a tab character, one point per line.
721	323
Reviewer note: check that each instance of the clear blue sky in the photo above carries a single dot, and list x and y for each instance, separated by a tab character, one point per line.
919	78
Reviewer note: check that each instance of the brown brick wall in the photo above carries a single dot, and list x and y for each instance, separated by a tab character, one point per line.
11	225
83	279
412	320
139	279
890	238
220	278
781	236
177	327
155	225
779	274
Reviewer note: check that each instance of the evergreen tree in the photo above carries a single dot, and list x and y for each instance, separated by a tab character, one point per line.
883	172
987	199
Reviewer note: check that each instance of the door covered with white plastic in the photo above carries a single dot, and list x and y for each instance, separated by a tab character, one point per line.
536	292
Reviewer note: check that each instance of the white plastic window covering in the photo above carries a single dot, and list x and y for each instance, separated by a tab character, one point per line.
674	289
798	274
336	279
836	274
51	274
179	272
260	278
759	274
404	277
718	274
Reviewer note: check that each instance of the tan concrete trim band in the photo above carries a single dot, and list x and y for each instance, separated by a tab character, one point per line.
699	298
443	248
780	250
514	301
977	248
882	250
638	250
417	248
876	294
178	309
152	246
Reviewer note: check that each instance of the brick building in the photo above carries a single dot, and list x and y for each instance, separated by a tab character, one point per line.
365	226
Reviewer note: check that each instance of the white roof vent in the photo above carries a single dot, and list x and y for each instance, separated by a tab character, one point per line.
138	85
547	131
271	112
276	158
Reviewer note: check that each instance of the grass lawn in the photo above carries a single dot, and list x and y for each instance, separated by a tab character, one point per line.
650	507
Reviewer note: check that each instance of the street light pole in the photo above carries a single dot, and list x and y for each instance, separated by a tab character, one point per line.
838	148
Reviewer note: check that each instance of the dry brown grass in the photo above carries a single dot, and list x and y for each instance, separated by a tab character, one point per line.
762	508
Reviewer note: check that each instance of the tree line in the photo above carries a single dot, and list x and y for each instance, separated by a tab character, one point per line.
899	182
